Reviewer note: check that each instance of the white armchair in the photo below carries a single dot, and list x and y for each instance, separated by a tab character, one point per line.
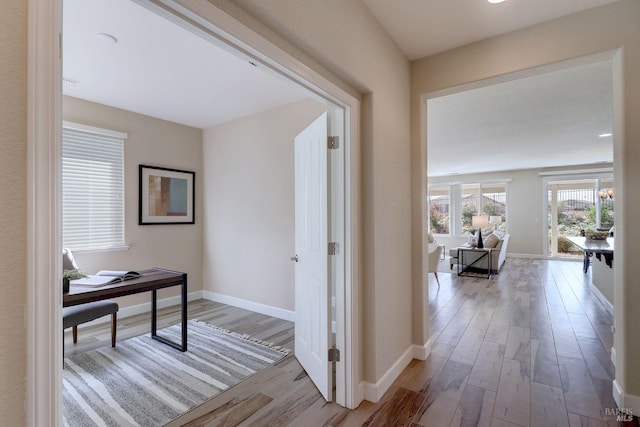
434	259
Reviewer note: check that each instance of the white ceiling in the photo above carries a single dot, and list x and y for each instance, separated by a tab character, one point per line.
162	70
552	119
424	27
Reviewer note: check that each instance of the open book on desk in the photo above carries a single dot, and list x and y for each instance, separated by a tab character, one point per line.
105	277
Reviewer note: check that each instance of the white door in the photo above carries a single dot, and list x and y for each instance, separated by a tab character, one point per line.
313	293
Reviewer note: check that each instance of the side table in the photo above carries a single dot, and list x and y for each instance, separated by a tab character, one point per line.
474	255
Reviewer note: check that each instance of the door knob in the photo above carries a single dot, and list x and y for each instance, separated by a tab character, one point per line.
294	258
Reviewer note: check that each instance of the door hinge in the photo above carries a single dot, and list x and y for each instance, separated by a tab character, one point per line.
333	248
334	354
333	142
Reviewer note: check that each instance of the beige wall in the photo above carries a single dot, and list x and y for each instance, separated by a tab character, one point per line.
13	210
525	201
593	31
152	142
345	38
248	204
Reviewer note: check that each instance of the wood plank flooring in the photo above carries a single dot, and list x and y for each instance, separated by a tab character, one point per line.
529	347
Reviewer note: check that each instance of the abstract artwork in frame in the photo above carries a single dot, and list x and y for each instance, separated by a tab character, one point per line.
167	196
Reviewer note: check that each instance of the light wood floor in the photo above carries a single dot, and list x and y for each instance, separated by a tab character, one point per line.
530	346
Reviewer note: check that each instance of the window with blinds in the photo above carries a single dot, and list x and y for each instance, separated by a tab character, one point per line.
92	188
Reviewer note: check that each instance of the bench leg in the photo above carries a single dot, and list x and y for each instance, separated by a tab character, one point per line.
114	318
75	334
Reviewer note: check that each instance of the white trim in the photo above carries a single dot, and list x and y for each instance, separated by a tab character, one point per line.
601	298
257	307
624	400
617	393
93	129
43	402
613	356
421	352
373	392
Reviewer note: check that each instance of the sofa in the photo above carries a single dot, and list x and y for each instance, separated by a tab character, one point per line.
499	243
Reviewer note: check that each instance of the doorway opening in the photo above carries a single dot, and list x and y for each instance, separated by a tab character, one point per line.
208	20
529	194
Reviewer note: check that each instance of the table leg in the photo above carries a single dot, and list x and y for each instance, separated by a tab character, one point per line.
184	312
183	317
154	312
585	262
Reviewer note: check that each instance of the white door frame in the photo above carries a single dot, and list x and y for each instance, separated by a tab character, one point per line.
44	118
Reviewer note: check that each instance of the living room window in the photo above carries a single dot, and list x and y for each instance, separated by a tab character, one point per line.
483	199
462	202
439	205
92	188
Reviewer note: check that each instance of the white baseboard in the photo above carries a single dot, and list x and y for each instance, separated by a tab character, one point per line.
192	296
374	392
617	393
625	401
421	352
250	305
530	256
613	356
144	308
601	298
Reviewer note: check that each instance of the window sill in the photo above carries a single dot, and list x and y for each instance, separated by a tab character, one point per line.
99	250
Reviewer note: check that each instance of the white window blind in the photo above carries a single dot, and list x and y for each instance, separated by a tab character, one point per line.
92	188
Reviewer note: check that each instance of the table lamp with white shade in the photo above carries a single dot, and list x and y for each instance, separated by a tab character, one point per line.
479	221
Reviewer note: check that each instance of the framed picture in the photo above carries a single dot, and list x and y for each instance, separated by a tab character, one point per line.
167	196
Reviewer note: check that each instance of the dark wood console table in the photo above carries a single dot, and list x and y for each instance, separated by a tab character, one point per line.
150	280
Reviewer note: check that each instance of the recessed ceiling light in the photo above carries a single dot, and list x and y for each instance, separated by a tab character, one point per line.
107	38
496	1
604	135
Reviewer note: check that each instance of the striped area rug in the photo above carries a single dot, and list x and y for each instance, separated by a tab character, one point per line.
143	382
